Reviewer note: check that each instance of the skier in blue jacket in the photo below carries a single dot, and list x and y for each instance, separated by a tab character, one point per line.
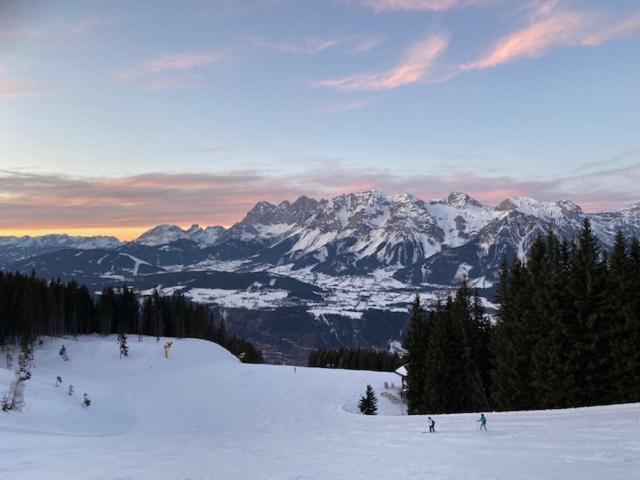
483	422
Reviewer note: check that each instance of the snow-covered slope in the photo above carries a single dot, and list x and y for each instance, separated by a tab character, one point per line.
202	414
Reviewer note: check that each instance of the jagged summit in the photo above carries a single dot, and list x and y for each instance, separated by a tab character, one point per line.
461	200
553	211
166	233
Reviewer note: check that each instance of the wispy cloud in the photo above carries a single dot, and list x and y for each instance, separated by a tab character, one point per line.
365	45
55	202
535	9
565	28
310	46
191	82
412	68
417	5
609	162
622	29
339	107
172	71
172	62
554	27
90	23
57	31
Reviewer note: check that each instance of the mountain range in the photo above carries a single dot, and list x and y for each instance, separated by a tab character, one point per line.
344	258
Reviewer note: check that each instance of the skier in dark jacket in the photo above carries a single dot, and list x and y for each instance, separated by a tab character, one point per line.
432	424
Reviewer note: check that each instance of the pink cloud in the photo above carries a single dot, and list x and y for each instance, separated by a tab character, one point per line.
87	24
553	27
417	5
565	28
339	107
412	68
172	62
307	47
191	82
623	29
365	45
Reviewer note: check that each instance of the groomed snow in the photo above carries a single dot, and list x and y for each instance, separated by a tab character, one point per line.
202	414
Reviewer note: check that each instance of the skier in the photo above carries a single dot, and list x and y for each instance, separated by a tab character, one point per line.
483	422
432	425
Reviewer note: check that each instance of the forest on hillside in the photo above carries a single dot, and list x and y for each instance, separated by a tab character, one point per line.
31	307
566	334
355	359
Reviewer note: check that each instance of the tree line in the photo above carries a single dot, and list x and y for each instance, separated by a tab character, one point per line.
566	334
31	307
356	359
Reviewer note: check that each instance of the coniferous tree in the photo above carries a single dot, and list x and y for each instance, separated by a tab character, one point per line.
555	308
368	404
624	300
415	343
587	366
122	343
511	374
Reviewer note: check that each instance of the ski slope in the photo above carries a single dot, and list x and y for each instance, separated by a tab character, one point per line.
202	414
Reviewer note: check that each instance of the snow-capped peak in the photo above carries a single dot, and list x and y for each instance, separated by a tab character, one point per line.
164	234
61	240
551	211
462	200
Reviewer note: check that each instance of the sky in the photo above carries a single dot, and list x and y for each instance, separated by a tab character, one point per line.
117	116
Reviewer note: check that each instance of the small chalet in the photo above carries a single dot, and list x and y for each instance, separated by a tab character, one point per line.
402	372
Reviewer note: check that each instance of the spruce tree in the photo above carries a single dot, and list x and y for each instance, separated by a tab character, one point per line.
416	345
587	367
122	343
624	300
511	374
368	404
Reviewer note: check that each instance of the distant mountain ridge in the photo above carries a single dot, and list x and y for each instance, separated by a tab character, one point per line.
436	241
14	248
320	273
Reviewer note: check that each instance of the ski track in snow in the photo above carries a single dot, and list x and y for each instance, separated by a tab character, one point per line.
201	414
137	262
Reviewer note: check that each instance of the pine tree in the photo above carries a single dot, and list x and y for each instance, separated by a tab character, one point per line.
416	345
368	404
623	295
511	373
587	367
122	342
556	309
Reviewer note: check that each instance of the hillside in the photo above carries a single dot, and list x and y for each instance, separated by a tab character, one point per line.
202	414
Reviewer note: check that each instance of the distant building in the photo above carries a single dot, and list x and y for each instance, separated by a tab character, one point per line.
402	372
